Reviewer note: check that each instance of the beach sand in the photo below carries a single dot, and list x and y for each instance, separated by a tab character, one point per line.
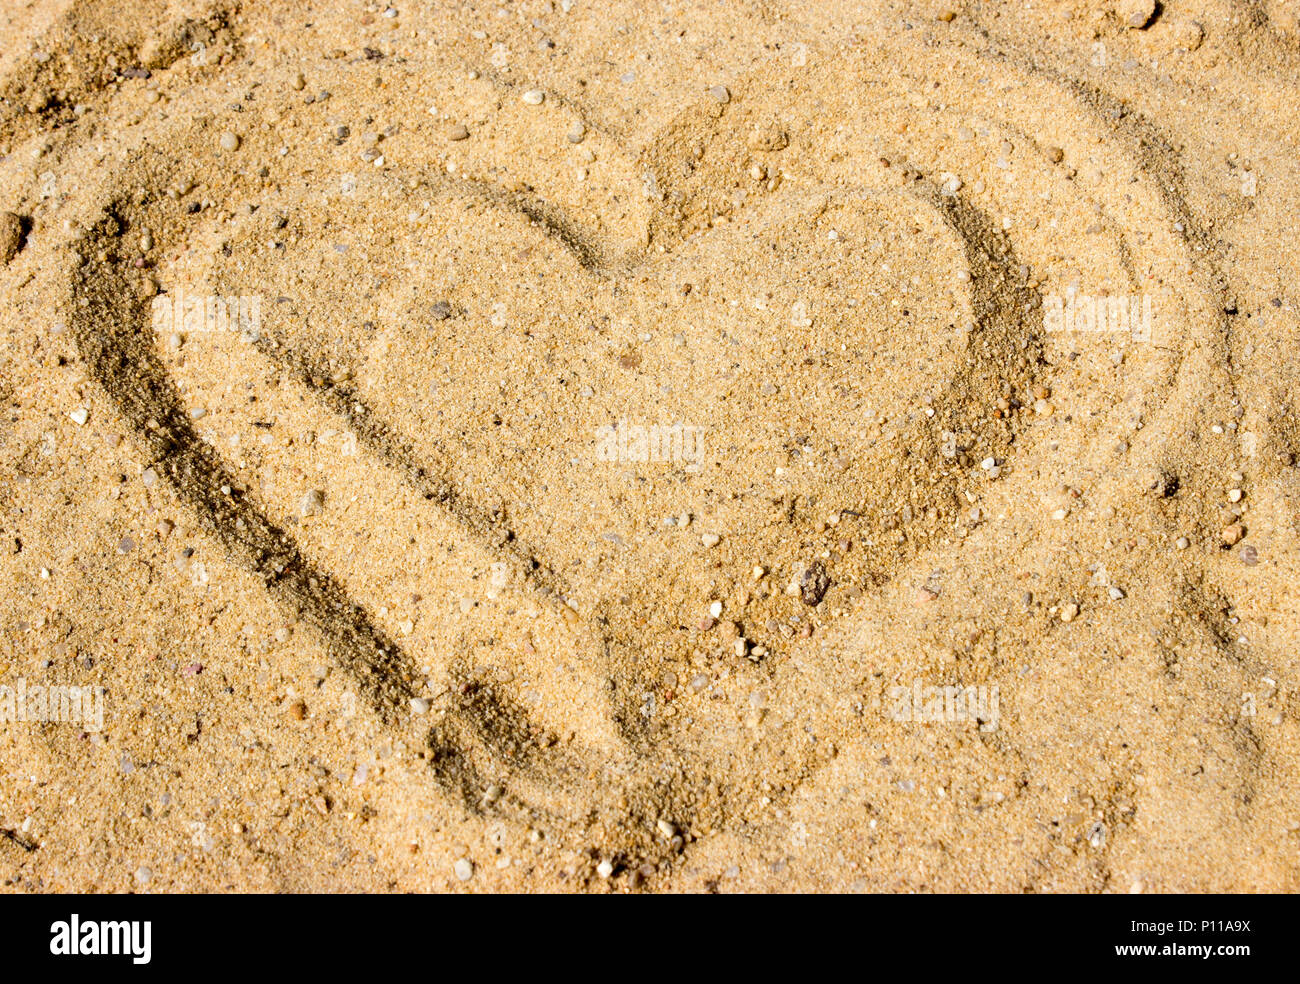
674	447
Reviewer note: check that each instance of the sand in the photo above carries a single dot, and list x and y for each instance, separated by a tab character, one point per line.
649	447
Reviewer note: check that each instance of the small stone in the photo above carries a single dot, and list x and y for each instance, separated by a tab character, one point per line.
11	236
1183	543
710	539
125	545
1055	155
1248	554
1234	495
946	14
419	705
1115	593
720	93
229	141
715	609
313	503
1043	408
298	82
458	132
1190	34
533	97
604	869
814	583
441	311
143	875
1137	14
1070	612
1233	534
80	416
576	132
924	596
464	869
666	828
298	710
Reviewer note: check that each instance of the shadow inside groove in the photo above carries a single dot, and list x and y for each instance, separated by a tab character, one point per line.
111	332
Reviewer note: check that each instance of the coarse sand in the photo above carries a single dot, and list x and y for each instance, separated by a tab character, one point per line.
619	446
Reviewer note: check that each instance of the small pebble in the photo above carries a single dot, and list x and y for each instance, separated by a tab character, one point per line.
576	132
458	132
229	141
1070	612
11	236
720	93
533	97
312	503
1248	554
710	539
464	869
1190	34
1138	14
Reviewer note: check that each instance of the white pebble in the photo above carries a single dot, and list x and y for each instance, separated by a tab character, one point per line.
534	97
312	503
464	869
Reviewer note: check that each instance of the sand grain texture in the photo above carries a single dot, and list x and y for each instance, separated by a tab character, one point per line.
368	604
